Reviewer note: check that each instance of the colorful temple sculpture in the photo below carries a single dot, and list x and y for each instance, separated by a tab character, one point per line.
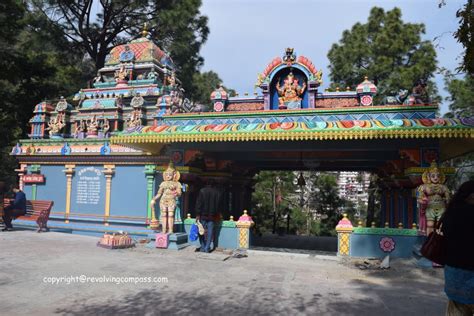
104	153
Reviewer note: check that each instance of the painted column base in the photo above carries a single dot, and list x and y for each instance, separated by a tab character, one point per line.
176	241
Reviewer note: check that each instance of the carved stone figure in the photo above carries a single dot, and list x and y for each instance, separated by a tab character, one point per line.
121	75
168	193
98	78
396	99
152	74
433	196
105	128
134	119
92	127
80	129
56	125
171	80
420	93
290	92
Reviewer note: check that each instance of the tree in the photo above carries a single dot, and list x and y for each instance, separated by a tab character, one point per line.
272	198
326	201
37	64
465	36
387	51
204	83
461	99
176	26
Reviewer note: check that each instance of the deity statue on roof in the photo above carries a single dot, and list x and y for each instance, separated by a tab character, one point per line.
127	55
152	74
80	129
168	193
56	125
134	119
290	92
171	80
105	127
121	75
98	78
92	127
432	197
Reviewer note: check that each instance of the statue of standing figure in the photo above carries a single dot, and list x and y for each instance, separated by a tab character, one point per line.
433	197
168	193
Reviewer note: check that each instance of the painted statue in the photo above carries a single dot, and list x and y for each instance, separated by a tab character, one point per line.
55	125
420	93
168	193
121	75
290	92
171	80
80	129
433	196
134	119
105	128
152	74
92	127
396	99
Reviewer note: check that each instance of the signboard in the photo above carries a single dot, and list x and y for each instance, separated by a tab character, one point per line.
33	178
89	186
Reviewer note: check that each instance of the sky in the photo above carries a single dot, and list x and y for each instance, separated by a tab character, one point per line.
245	35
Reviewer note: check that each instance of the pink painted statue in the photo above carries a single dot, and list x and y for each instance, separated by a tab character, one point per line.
168	193
433	197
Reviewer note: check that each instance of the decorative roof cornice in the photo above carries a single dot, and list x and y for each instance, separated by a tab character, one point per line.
338	130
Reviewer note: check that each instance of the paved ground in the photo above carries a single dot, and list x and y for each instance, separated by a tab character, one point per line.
260	284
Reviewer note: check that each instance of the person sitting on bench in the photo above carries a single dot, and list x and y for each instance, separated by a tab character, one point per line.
15	209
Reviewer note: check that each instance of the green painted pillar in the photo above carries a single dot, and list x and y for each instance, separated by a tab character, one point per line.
33	191
34	186
150	178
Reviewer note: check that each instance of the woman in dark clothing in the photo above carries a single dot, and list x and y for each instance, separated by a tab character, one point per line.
458	229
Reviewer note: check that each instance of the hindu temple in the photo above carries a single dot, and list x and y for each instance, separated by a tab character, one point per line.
101	156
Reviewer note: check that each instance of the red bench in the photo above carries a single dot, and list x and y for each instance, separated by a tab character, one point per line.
36	210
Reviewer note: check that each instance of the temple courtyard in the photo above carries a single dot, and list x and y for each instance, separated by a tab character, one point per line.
188	283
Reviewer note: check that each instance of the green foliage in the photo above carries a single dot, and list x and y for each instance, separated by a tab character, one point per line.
204	83
465	36
177	26
326	201
272	198
182	30
461	99
386	50
37	63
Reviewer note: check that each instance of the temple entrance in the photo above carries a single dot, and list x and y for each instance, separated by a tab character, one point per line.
300	209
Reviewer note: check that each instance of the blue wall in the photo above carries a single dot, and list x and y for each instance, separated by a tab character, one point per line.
227	237
53	189
129	194
368	246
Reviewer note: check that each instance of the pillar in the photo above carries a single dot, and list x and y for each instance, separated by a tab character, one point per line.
243	225
150	171
344	231
108	173
21	172
69	171
34	169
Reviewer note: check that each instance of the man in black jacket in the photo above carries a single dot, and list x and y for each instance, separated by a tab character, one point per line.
17	208
208	208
